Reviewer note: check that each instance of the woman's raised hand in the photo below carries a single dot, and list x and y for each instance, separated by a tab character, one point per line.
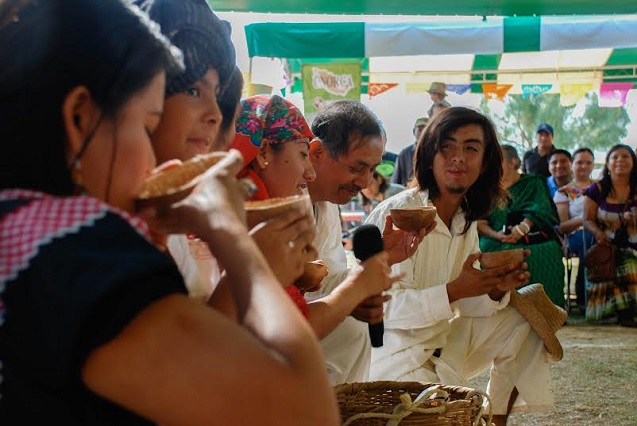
286	243
220	196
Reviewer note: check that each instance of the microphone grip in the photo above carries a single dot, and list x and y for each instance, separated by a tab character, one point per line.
376	332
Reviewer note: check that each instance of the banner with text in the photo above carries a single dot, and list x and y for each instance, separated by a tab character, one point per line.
327	83
534	89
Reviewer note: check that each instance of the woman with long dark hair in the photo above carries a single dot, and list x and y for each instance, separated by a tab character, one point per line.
610	215
95	324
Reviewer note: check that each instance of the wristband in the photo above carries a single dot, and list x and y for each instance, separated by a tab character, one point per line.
517	229
527	228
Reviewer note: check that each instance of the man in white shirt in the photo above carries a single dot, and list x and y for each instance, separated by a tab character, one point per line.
348	146
447	321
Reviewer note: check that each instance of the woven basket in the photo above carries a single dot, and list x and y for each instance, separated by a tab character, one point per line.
409	403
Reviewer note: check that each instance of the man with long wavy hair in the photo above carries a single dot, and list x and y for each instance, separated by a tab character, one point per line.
447	321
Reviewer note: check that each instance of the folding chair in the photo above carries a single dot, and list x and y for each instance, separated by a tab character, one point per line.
571	293
570	296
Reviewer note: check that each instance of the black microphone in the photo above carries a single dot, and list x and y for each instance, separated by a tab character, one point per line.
367	242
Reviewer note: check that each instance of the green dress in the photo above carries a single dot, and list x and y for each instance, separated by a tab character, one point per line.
530	199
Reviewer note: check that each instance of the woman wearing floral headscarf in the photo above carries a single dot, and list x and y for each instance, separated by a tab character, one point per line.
274	139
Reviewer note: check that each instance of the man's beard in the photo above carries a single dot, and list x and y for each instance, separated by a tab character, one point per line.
457	190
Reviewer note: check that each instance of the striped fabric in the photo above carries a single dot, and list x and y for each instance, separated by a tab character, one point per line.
606	298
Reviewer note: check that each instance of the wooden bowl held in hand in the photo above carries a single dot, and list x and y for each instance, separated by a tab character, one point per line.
500	258
173	181
263	210
313	273
413	219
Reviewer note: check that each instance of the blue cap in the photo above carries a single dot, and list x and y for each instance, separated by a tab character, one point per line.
544	127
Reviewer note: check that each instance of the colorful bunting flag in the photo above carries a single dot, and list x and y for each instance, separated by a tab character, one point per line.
570	94
534	89
411	88
496	91
375	89
458	88
613	95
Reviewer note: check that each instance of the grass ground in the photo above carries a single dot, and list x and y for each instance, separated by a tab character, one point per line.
595	383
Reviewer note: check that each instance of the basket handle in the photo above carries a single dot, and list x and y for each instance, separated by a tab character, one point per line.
407	407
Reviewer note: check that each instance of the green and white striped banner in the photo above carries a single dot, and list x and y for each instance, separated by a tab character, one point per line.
509	50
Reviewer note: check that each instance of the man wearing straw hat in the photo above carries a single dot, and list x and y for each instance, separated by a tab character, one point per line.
438	92
448	321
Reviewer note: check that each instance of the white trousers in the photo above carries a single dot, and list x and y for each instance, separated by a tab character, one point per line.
507	345
347	352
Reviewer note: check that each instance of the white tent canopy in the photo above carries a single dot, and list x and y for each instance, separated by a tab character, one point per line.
511	50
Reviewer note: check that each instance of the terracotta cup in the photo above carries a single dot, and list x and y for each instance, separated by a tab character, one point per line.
501	258
313	273
263	210
174	180
413	219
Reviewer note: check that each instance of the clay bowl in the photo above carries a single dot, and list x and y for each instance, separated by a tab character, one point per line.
313	273
263	210
501	258
413	219
173	181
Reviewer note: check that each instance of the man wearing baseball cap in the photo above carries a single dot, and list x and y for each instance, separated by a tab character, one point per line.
536	160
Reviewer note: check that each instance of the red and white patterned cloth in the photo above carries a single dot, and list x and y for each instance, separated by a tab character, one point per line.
45	217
